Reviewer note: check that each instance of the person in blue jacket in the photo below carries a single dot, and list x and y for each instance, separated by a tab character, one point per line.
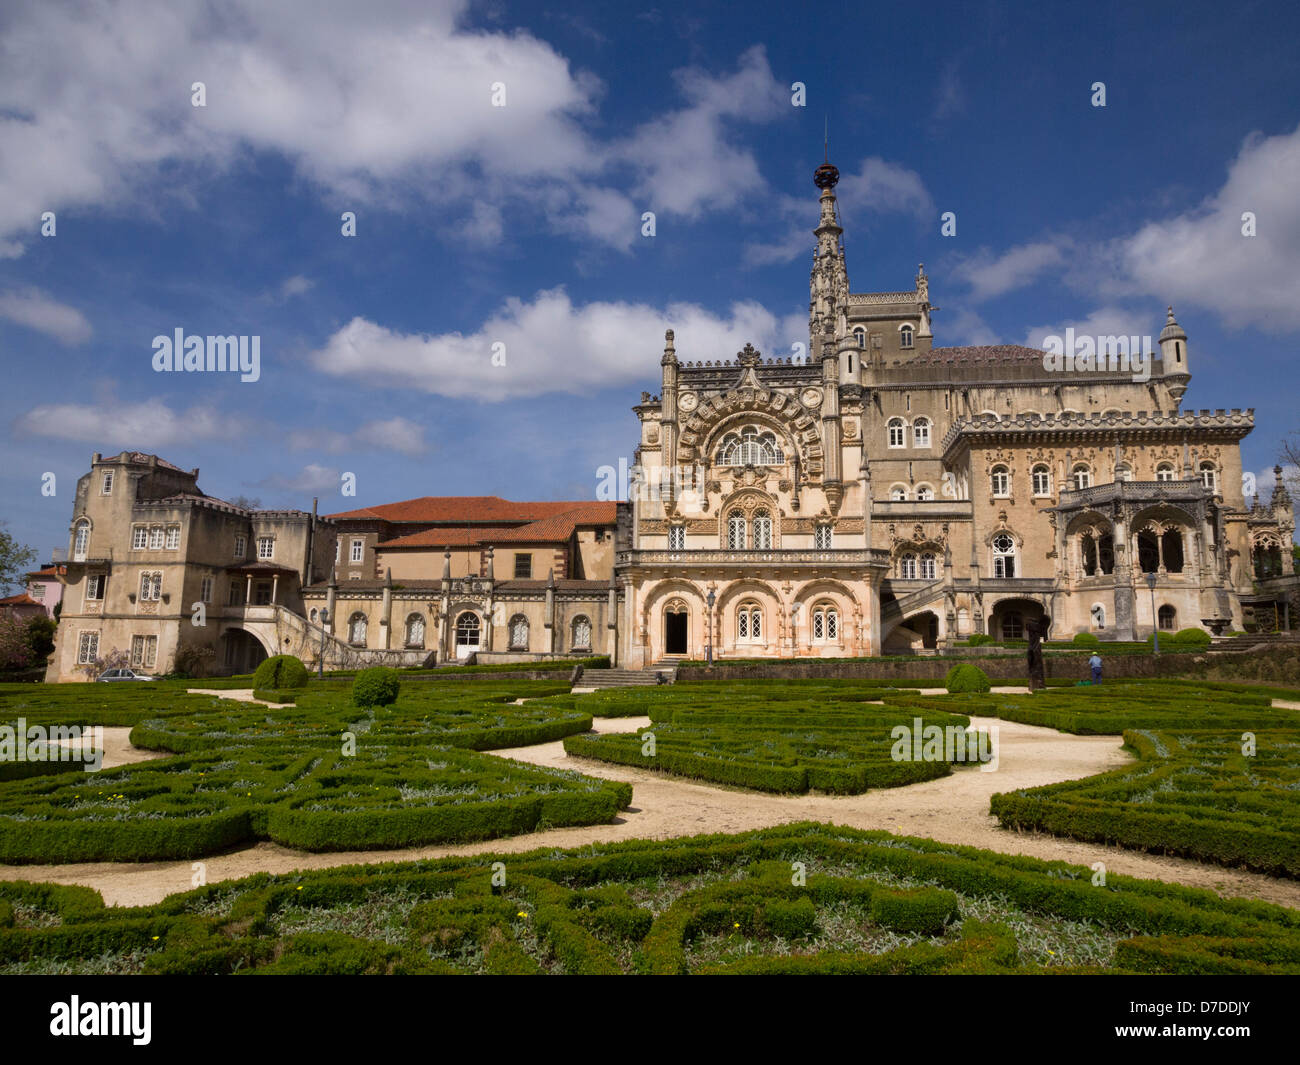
1095	663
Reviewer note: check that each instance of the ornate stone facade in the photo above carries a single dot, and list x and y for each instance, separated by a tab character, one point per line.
885	494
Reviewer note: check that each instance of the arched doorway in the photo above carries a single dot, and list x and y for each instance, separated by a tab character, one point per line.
1010	616
241	652
468	630
676	628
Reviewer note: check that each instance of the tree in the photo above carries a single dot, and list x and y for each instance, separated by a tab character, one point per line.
246	503
40	638
15	649
14	560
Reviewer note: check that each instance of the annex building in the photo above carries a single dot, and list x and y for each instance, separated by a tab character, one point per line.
881	495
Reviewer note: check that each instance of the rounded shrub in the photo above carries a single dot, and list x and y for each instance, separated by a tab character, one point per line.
376	686
967	678
280	671
979	639
1085	639
1193	639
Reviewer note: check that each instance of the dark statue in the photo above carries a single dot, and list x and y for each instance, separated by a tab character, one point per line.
1036	629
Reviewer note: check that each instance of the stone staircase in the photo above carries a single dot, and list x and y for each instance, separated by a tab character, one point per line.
628	678
1257	639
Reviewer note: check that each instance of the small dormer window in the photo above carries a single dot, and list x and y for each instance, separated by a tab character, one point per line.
905	336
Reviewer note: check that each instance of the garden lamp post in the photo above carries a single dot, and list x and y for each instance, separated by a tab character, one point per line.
708	632
1155	620
324	620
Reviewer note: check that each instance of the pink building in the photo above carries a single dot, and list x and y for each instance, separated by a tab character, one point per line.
44	592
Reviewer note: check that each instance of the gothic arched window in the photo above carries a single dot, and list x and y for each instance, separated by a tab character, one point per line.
736	532
907	567
415	630
1209	476
357	630
519	633
825	624
897	433
927	566
1001	481
81	542
898	493
1042	477
1165	471
1004	556
582	633
752	446
905	337
467	630
749	622
1082	475
1168	617
921	432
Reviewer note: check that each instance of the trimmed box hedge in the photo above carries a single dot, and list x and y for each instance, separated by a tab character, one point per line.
708	904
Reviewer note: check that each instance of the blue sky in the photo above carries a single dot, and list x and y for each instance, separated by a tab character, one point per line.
520	225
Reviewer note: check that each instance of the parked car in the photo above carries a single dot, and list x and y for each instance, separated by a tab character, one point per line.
123	674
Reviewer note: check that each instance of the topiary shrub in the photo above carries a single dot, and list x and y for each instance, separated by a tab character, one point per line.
377	686
967	678
979	639
1193	639
280	671
1085	639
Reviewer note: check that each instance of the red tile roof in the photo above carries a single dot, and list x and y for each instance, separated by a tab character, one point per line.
554	528
21	599
451	510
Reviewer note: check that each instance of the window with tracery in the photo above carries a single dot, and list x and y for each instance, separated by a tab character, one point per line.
752	446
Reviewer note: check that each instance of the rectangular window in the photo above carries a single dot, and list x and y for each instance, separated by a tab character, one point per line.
95	586
822	539
38	591
137	650
338	547
150	651
241	545
150	586
106	486
677	538
139	538
523	567
358	551
265	547
87	648
236	592
156	538
205	590
173	537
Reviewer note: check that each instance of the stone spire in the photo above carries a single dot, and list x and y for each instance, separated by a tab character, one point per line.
828	287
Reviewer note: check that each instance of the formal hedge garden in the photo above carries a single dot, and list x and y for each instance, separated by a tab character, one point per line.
801	898
319	775
1217	778
794	737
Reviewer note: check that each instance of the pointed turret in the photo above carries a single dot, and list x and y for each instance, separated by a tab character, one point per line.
829	282
1173	357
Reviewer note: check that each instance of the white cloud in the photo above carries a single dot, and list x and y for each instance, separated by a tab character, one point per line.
876	187
551	345
686	160
377	104
393	434
147	425
967	327
32	308
991	275
311	479
1104	321
296	286
1201	256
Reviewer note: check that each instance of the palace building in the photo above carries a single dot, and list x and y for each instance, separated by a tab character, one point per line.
882	495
